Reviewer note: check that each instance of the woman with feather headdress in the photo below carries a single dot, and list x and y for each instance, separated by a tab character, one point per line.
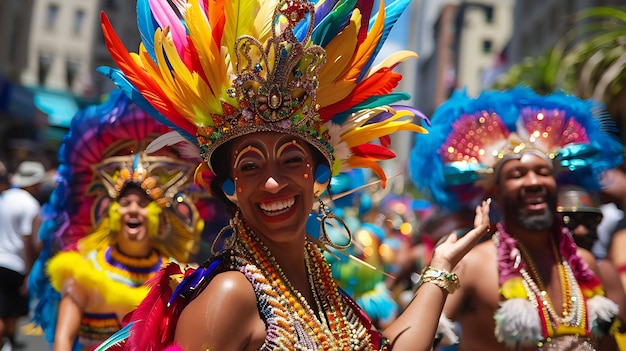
117	216
279	96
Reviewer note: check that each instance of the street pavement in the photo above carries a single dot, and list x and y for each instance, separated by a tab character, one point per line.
32	338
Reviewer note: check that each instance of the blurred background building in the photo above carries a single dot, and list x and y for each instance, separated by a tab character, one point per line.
468	44
50	50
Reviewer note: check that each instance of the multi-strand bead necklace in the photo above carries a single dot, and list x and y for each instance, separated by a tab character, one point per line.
574	315
292	323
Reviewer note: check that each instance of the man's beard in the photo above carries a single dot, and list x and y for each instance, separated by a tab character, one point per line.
532	222
536	222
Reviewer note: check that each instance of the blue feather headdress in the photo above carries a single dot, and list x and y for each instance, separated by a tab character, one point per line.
469	137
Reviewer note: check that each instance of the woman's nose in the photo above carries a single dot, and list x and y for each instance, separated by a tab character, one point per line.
272	185
133	206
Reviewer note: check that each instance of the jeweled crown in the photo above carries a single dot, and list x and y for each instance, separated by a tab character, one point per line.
275	86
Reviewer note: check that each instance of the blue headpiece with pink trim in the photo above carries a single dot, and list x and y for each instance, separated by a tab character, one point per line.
470	137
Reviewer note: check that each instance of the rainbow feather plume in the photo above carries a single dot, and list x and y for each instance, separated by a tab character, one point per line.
188	58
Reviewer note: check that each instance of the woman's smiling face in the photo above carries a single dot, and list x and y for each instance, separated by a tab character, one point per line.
273	175
134	217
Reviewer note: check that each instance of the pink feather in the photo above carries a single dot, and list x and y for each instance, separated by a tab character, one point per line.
165	16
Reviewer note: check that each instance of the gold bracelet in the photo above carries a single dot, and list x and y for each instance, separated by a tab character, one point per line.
440	277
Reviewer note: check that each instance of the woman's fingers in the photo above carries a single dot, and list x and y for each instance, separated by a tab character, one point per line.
453	248
481	224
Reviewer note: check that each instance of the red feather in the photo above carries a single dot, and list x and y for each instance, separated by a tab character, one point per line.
373	151
365	6
385	140
380	83
154	321
140	78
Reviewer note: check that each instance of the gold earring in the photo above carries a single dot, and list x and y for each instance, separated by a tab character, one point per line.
327	219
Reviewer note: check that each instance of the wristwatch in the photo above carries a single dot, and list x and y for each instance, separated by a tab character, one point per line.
440	277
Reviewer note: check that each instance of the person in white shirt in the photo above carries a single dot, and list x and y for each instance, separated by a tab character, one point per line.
18	209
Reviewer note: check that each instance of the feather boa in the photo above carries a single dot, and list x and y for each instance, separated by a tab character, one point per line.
72	265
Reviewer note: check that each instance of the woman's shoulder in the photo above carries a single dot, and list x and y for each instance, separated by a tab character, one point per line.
230	285
227	303
228	291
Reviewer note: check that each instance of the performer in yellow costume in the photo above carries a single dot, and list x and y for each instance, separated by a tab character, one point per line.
118	215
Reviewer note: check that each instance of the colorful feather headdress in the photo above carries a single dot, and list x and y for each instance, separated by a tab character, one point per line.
216	70
470	138
98	134
161	177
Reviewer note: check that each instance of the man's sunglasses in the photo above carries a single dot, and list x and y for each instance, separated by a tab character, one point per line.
586	219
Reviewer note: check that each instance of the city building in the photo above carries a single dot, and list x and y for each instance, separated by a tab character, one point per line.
466	44
51	49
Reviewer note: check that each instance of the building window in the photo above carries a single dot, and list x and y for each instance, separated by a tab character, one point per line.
79	20
52	15
487	46
111	5
489	14
45	62
71	71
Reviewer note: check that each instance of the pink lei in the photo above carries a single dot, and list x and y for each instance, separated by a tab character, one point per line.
526	317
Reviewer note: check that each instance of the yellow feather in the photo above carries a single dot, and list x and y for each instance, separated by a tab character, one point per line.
331	93
368	133
213	65
362	117
334	85
339	51
136	57
263	20
170	86
240	16
151	68
191	87
373	131
393	60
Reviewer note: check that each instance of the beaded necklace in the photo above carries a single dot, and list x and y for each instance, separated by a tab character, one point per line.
573	307
132	271
292	322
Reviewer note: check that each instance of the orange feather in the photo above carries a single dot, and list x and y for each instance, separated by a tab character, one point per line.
140	78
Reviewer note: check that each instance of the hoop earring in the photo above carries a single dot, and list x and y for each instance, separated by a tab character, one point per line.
322	178
324	237
229	243
228	187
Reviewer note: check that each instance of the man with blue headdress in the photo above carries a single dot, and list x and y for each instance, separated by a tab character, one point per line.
526	288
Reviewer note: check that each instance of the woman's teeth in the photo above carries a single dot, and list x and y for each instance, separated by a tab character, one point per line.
277	207
133	223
